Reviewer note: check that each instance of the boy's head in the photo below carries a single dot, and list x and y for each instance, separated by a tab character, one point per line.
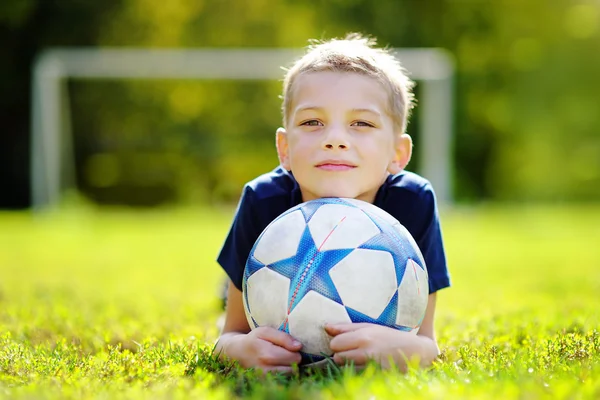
345	107
355	54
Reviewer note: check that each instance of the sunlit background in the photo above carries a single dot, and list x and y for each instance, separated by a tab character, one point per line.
526	108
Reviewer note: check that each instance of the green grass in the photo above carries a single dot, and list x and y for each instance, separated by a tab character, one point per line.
115	303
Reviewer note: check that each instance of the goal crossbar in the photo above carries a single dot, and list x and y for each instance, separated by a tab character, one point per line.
51	136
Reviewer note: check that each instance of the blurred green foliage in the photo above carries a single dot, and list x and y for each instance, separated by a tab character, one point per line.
526	122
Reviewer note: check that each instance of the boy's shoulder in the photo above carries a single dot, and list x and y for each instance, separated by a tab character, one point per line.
276	183
407	196
410	199
409	183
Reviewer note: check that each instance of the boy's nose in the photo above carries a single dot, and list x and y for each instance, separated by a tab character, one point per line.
336	138
331	146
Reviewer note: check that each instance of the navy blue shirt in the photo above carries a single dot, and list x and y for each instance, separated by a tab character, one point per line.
406	196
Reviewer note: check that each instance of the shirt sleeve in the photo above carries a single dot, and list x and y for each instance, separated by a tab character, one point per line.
428	235
242	236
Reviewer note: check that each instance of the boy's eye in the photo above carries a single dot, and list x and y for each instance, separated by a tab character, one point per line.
362	123
311	122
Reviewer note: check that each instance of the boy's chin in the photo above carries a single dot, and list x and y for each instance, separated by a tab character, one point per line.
348	193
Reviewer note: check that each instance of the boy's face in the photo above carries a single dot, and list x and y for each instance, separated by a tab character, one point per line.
340	141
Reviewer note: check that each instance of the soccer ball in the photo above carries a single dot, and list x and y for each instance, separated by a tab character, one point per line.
334	260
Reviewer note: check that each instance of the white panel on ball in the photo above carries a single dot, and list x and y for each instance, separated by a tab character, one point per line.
363	272
307	321
336	226
267	297
373	209
281	239
413	294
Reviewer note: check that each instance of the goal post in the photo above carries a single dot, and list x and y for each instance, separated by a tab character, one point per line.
52	165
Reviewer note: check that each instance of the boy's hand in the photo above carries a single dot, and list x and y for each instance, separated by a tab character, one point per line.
361	342
268	349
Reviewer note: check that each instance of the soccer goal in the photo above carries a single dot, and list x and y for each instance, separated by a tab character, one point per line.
51	140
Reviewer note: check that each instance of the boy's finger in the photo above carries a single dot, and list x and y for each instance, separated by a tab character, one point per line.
345	342
278	356
336	329
356	357
279	338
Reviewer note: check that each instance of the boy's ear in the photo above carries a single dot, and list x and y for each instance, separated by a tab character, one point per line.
402	154
281	141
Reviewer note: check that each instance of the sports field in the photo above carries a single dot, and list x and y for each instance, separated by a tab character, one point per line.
122	304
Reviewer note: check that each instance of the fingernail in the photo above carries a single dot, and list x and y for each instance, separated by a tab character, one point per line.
296	343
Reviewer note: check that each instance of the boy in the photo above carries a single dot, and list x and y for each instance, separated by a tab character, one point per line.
345	110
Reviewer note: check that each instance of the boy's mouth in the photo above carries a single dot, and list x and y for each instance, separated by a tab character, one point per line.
335	165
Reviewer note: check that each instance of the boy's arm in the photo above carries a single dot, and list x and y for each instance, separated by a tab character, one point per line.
235	318
362	342
265	348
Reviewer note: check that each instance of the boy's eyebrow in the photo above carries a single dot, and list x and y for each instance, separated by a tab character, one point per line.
369	110
309	108
354	110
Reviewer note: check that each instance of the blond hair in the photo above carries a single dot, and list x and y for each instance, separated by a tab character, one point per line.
355	54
